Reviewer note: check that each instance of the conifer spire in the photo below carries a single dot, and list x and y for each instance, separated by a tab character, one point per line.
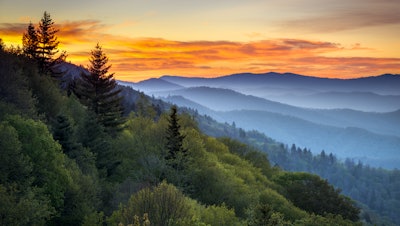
98	90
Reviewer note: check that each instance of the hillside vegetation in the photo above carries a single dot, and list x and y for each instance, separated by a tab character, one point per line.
67	159
360	134
375	189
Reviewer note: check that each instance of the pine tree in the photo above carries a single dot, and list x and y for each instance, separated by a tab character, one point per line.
174	140
47	45
63	133
30	42
98	91
2	46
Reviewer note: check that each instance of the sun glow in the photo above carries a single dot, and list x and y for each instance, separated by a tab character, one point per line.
145	39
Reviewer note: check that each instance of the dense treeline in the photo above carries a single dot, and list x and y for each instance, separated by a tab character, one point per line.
375	189
67	159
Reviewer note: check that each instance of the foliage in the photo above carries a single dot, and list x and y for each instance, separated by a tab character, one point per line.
30	42
41	46
219	215
370	186
49	170
164	204
97	90
374	189
175	151
329	220
20	202
94	219
47	45
48	96
311	193
15	93
62	163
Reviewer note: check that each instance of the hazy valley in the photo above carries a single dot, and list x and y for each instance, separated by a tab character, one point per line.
357	118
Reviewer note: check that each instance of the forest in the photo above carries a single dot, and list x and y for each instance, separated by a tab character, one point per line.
374	189
80	151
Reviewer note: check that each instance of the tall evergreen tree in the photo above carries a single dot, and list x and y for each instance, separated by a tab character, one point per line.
63	133
30	42
98	90
47	45
2	46
174	140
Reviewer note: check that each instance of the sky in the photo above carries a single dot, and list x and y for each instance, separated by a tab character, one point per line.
209	38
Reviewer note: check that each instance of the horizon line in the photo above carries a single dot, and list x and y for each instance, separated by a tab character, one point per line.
252	73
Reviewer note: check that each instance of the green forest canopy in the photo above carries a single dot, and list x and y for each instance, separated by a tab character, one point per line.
60	165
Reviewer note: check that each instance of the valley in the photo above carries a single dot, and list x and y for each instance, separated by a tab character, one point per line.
316	113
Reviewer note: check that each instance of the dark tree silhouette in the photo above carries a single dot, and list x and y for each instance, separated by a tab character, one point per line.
174	140
2	46
30	42
47	45
98	91
63	133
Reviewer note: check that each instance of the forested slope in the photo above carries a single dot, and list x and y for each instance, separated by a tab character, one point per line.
375	189
64	161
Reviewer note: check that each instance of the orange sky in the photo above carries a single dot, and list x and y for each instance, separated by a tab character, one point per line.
144	39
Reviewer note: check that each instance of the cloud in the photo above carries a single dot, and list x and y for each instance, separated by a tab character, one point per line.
13	29
160	52
80	31
140	58
70	32
206	58
351	15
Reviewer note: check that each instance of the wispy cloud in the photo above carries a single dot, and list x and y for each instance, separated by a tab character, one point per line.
12	29
139	58
347	16
201	58
80	31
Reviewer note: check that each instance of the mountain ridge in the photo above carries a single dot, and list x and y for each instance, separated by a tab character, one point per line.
233	98
357	143
389	82
228	100
373	94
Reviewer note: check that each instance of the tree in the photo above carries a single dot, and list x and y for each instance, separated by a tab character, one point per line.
98	91
2	46
63	133
174	140
16	95
49	171
164	204
30	42
47	45
315	195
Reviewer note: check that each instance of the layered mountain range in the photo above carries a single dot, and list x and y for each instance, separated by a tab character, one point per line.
355	118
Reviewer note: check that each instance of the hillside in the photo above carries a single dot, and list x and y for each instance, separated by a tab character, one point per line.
384	84
359	144
361	101
372	94
219	99
152	85
371	187
360	134
68	166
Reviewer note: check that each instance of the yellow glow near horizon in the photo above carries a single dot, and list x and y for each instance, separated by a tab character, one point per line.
144	39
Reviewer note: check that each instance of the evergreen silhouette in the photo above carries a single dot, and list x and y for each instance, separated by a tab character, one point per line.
30	42
174	140
98	91
47	45
2	46
63	133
